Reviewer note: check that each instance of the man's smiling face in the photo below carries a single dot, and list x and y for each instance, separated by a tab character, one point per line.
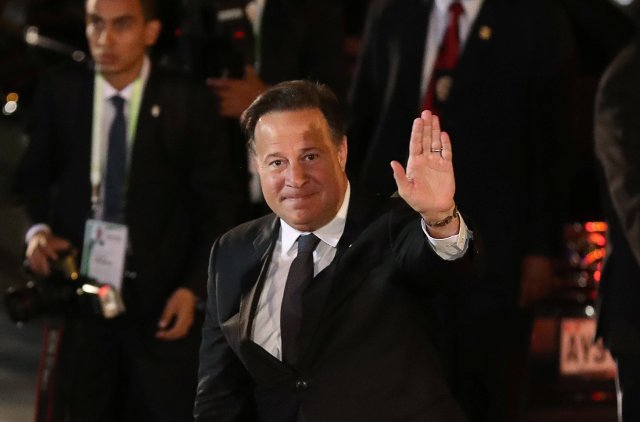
301	168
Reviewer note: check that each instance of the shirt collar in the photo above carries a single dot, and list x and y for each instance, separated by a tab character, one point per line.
127	91
470	6
330	233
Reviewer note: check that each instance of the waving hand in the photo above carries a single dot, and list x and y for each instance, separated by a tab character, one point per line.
428	183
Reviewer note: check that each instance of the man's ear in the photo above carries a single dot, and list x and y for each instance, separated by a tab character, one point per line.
342	153
152	32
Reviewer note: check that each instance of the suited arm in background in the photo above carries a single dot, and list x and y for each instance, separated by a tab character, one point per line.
364	105
214	200
214	194
41	167
36	194
618	142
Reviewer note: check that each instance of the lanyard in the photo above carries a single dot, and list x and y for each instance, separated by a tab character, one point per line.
97	135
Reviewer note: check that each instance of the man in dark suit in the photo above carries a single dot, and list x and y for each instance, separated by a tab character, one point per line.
502	78
174	199
359	348
617	136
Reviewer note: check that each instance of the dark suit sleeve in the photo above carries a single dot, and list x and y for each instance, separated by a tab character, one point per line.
422	267
36	171
617	141
214	194
224	387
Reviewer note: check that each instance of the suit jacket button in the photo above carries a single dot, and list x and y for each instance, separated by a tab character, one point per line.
301	385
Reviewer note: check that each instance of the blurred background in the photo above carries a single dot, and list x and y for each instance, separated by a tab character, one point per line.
568	378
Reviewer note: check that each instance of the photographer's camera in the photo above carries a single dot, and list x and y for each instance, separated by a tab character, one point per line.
64	293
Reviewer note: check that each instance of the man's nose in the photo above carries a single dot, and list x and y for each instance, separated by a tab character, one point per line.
296	174
105	36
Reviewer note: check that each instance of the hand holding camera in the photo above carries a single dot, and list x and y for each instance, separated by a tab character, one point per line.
43	248
58	288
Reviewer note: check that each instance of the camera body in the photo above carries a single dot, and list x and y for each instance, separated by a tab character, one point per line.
64	293
234	38
215	39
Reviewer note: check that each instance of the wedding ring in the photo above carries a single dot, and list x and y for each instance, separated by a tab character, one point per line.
437	150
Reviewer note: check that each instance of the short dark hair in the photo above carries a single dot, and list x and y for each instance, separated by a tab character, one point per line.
149	9
292	96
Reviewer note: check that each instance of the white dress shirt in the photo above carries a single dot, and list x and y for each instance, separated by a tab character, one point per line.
266	326
438	20
108	114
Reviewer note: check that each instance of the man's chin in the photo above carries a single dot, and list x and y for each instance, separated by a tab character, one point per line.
108	65
106	69
301	219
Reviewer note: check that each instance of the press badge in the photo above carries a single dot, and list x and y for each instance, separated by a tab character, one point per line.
104	251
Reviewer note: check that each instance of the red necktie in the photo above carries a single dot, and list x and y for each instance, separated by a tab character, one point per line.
441	79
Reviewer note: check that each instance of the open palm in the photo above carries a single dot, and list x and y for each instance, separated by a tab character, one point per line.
428	184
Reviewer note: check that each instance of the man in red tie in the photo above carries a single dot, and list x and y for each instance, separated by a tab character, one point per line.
476	63
441	77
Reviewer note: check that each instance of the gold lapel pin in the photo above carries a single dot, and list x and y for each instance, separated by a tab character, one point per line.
485	32
443	87
155	110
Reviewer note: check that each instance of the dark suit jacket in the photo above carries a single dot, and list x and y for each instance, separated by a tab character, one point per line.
178	198
498	115
366	351
617	136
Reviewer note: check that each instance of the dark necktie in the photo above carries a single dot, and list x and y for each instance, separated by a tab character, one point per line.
300	274
116	165
441	77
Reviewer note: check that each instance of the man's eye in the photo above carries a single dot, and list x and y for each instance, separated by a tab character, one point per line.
96	24
310	157
276	163
121	25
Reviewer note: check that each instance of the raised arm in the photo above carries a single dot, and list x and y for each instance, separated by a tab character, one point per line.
428	183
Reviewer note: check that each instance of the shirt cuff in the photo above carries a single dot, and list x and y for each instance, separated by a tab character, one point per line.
35	229
453	247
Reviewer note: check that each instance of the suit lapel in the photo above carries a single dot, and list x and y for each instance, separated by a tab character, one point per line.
264	366
148	120
252	284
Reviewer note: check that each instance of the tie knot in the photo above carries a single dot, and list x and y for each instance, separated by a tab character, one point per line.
118	103
456	9
307	243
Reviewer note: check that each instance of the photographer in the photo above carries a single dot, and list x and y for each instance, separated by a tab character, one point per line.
132	148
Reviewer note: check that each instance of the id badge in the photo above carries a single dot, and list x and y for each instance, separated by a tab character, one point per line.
103	252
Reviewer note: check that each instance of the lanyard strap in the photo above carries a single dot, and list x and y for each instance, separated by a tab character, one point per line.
97	134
